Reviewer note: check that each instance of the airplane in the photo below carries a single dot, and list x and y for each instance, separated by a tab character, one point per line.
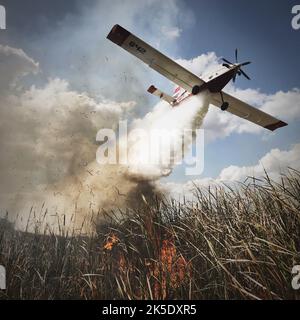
190	84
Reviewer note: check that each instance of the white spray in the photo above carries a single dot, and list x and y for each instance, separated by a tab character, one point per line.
158	141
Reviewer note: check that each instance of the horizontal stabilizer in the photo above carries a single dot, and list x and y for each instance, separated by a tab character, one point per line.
161	95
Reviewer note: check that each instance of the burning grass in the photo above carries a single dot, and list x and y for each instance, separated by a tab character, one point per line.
228	244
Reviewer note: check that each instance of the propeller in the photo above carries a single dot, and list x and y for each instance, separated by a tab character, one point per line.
244	74
238	71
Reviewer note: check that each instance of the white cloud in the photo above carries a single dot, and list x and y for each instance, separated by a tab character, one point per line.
15	63
284	104
204	63
275	162
171	33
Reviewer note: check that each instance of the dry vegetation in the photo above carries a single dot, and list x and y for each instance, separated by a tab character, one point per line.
229	244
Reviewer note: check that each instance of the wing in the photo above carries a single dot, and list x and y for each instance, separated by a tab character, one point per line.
153	58
245	111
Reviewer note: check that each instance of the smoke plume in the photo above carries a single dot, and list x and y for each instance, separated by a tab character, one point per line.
48	148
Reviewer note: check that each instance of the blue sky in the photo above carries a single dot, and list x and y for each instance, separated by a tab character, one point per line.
260	29
64	38
262	32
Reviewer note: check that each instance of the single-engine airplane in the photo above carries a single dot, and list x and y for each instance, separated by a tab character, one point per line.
190	84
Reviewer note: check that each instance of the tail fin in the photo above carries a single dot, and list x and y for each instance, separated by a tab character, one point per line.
161	95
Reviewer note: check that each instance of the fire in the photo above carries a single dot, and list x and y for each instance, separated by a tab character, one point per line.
169	271
110	242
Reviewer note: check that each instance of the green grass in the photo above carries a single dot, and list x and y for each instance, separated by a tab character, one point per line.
229	244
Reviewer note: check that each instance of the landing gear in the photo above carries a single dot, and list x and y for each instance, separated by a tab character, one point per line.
225	104
195	90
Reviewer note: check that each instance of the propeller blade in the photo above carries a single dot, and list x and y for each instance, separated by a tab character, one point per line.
245	75
236	55
226	65
234	77
226	61
245	63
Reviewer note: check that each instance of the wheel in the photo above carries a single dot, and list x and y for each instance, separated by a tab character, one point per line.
224	106
195	90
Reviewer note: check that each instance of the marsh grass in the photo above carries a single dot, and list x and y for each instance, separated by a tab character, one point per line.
230	243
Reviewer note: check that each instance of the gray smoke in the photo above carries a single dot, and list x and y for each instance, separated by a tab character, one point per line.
48	125
47	137
48	148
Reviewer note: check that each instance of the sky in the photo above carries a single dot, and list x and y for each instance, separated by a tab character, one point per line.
262	32
67	40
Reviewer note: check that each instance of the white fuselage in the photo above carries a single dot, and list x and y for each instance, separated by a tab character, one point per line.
181	94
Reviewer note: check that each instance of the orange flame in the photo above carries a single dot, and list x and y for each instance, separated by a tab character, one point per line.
169	271
110	242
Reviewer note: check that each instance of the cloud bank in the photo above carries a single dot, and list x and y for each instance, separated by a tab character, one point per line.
276	162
